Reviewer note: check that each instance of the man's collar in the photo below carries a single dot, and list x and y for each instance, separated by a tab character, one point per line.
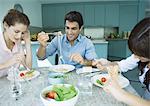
79	39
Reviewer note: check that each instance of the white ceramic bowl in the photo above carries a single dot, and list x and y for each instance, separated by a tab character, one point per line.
53	78
52	102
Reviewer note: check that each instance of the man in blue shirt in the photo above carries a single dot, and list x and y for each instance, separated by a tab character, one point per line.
72	47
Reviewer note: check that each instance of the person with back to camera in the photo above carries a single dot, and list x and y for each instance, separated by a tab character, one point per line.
139	44
15	29
75	50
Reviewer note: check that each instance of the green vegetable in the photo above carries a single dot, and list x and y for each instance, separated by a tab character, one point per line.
64	92
58	76
57	98
69	95
99	82
59	93
29	72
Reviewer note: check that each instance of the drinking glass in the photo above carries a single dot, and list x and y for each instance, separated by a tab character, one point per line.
15	86
85	85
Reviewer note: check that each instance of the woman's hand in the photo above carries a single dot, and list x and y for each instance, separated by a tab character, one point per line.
43	38
18	58
26	37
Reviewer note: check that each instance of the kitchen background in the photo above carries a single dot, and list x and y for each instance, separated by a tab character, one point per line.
106	22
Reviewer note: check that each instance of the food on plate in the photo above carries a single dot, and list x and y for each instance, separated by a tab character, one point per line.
27	74
61	92
22	74
61	70
101	81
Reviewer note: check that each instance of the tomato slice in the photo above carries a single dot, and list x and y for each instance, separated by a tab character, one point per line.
103	79
22	74
51	94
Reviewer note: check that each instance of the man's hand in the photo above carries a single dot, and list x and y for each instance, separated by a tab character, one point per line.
43	38
77	58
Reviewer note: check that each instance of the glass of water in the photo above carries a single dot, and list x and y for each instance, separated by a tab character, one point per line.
85	85
15	86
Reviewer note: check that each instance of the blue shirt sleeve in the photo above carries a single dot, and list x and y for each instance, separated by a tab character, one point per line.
90	53
50	49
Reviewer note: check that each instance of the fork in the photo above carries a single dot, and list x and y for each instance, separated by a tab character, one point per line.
59	45
27	68
61	59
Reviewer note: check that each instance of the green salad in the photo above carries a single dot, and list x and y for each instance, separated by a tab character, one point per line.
62	92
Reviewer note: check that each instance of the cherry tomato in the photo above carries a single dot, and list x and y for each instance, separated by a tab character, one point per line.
51	94
22	74
103	79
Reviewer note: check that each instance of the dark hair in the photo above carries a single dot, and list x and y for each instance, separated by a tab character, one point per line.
13	16
74	16
139	44
139	40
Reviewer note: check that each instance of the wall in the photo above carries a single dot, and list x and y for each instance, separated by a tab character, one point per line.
30	8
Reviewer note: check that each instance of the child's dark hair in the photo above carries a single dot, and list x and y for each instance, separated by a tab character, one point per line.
139	44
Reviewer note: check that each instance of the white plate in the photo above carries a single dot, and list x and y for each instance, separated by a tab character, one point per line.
63	68
123	82
35	74
82	70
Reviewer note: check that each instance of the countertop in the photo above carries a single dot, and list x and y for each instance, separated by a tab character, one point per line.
100	41
94	41
117	39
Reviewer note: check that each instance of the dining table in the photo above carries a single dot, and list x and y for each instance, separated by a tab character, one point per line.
31	91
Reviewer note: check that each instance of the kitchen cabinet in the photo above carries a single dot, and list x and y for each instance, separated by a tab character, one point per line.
141	9
99	15
34	47
74	7
128	16
106	14
112	15
48	15
101	49
53	15
89	15
94	15
118	48
60	14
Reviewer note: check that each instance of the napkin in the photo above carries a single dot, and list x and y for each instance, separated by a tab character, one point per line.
44	63
84	70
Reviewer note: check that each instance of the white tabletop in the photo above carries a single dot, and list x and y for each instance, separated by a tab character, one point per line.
31	95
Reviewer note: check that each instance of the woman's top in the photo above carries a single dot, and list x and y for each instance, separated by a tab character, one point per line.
5	54
130	63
